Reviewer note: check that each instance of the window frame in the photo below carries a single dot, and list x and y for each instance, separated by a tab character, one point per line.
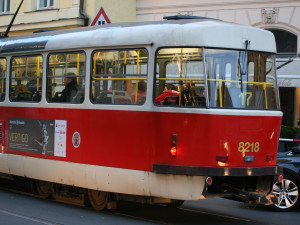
205	93
146	75
206	49
48	5
62	76
3	80
37	77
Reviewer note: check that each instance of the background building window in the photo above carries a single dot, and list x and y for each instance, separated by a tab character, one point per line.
286	43
45	4
4	6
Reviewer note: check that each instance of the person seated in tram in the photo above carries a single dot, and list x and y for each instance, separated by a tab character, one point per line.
141	93
188	94
21	93
20	88
71	88
169	90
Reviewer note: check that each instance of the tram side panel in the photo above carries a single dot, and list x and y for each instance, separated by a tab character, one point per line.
202	137
136	140
112	154
114	150
122	139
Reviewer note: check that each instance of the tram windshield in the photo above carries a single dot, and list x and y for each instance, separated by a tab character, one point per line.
234	79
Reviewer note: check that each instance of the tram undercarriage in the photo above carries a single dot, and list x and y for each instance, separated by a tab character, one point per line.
256	190
253	190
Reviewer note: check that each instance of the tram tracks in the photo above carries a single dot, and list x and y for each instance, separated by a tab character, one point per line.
147	213
115	212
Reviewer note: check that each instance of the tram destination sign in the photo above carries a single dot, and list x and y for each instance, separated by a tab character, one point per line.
47	137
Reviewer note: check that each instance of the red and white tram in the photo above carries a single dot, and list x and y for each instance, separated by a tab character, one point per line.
214	132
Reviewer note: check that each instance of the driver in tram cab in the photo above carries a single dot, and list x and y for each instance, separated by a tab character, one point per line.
70	88
169	90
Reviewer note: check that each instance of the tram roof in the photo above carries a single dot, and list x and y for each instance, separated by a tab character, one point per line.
194	32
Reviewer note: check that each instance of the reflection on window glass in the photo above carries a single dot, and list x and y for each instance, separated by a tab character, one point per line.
2	78
249	83
180	78
65	77
26	79
119	77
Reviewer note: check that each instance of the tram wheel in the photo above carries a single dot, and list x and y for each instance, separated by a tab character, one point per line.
43	188
98	199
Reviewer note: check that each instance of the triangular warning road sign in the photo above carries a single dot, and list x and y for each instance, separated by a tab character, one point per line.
100	18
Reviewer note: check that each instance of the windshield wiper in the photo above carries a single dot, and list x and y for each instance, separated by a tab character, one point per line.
243	63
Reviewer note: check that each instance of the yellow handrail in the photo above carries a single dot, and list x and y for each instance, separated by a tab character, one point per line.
54	72
218	80
3	75
78	67
137	72
38	73
180	86
115	78
182	79
265	91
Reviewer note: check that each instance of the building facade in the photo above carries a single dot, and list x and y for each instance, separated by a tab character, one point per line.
282	17
35	15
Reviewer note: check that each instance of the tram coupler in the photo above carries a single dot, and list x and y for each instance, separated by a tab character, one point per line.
254	197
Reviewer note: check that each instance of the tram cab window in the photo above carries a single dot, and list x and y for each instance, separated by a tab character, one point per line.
26	79
66	77
241	79
180	78
119	77
2	78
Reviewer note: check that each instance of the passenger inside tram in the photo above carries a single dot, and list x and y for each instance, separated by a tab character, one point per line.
169	91
71	88
140	97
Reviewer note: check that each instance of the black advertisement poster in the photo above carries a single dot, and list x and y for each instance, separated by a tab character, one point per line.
32	135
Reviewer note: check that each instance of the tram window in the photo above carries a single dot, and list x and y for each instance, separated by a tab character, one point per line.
180	78
2	78
119	77
66	77
248	84
26	79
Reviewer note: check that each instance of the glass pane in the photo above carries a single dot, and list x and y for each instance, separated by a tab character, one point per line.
2	79
239	79
119	77
66	78
180	78
26	79
42	3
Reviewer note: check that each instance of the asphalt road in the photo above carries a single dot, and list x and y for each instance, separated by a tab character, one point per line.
20	209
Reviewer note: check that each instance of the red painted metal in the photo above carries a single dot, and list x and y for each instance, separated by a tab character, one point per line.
138	139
